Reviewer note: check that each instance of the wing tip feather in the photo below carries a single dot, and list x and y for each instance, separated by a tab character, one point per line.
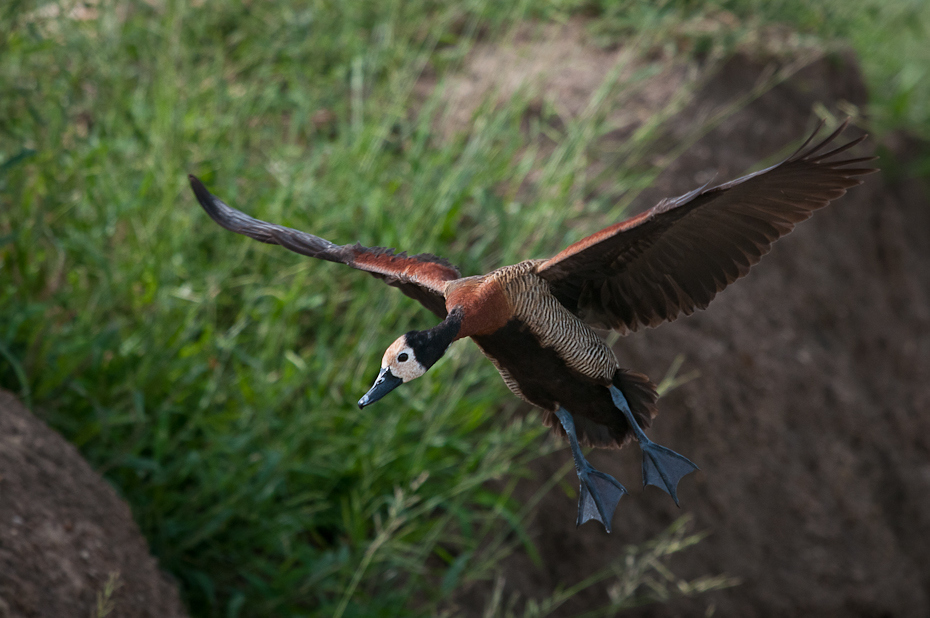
204	197
805	153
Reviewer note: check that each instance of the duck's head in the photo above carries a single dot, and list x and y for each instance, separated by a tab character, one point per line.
410	356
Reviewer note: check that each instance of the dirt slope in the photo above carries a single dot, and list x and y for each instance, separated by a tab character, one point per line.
811	416
64	532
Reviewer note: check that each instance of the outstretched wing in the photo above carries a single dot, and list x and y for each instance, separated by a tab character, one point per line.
421	277
675	257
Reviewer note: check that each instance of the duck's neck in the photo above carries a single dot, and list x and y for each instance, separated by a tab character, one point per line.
431	344
483	304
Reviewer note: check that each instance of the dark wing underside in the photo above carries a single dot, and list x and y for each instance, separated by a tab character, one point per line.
675	257
421	277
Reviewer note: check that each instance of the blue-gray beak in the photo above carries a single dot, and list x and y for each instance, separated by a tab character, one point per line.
385	383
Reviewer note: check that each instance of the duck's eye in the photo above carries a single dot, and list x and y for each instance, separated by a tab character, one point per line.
402	357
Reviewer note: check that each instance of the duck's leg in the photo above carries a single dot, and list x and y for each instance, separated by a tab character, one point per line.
662	467
599	493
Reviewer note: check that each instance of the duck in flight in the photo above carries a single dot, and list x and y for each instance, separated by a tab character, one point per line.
534	320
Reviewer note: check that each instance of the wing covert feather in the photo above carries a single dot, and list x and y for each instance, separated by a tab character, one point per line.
675	257
421	277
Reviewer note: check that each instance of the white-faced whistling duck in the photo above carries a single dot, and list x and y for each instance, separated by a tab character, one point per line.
534	319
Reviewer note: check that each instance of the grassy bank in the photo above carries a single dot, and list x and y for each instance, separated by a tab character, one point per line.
212	379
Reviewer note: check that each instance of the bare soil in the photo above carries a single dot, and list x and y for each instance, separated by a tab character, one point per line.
811	416
64	533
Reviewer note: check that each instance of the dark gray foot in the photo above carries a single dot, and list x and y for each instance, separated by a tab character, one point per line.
599	492
662	466
598	497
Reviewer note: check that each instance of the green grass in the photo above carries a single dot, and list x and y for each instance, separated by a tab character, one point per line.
212	379
889	38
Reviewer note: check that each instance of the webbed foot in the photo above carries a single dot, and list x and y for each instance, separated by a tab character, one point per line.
663	468
598	496
599	493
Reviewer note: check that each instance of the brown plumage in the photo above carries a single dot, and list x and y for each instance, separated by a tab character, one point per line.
534	319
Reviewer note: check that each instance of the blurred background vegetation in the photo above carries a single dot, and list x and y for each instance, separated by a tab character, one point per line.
212	379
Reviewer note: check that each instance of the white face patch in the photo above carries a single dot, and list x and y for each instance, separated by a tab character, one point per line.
401	360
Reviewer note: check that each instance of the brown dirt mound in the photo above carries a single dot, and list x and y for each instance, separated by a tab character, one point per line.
64	533
811	416
552	63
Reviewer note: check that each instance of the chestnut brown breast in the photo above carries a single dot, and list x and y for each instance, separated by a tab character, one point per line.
483	302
